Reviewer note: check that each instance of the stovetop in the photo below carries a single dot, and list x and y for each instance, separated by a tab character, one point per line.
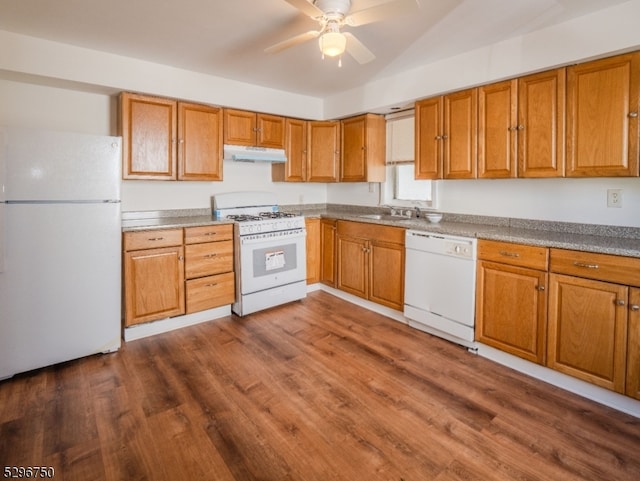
261	216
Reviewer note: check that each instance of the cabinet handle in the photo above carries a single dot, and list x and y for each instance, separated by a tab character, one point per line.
209	256
181	141
512	129
509	254
586	266
634	307
214	284
520	127
438	137
180	258
153	239
633	115
445	137
211	233
541	288
620	302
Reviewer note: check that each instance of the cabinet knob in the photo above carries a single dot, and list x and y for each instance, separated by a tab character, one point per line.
438	137
620	302
520	127
634	307
445	137
541	288
633	115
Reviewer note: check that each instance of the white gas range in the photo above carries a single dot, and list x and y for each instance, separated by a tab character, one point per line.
270	250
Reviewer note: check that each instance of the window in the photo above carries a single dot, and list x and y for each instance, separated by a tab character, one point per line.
401	188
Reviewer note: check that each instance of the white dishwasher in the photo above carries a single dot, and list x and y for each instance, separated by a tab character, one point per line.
440	285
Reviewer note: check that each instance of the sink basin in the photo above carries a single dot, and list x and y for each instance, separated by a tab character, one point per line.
373	216
384	217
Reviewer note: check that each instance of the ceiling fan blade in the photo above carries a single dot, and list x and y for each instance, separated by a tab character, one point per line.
298	39
306	7
380	12
357	49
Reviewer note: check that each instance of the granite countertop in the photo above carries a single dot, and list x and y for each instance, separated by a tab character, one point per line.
623	241
602	239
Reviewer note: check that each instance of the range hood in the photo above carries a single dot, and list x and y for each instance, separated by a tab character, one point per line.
241	153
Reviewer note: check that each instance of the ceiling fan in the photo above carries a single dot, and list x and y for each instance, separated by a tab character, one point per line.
332	15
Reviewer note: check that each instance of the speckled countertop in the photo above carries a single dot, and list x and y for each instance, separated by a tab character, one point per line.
585	237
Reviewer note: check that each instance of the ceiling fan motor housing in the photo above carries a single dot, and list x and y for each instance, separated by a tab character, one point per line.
337	9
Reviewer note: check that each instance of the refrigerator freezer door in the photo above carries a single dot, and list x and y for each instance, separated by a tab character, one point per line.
43	165
60	292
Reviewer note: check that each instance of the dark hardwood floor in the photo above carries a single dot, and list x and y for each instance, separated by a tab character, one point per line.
315	390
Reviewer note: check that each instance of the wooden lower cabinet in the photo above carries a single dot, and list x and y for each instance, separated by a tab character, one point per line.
370	262
588	330
154	284
633	345
312	226
328	252
171	272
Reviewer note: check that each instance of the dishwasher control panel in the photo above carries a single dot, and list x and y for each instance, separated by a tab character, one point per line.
458	249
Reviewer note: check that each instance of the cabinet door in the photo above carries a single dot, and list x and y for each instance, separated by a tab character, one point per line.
313	250
460	138
324	156
511	310
386	274
497	148
199	142
270	131
154	284
541	124
295	168
353	265
587	335
239	127
328	252
429	132
148	128
633	345
353	167
602	108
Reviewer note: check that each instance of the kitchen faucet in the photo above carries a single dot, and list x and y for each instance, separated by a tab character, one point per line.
417	212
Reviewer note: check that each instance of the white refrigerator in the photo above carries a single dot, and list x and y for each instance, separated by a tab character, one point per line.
60	247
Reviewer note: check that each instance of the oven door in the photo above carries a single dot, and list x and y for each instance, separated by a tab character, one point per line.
267	262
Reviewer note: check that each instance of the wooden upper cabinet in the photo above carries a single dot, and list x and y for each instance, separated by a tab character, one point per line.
541	124
199	142
323	151
428	138
602	110
460	135
497	127
295	168
252	129
148	126
363	149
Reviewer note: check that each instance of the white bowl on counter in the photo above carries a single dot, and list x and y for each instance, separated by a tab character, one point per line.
434	217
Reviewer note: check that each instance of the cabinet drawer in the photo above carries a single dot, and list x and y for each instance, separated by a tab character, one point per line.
151	239
209	233
207	259
603	267
513	254
209	292
364	230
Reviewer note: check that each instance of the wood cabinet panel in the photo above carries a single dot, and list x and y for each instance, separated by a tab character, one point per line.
208	258
386	268
460	135
604	267
295	168
270	131
209	233
209	292
603	101
148	127
328	252
521	255
428	132
151	239
511	309
313	250
633	345
587	335
363	149
239	127
199	142
353	266
154	284
497	147
541	124
323	151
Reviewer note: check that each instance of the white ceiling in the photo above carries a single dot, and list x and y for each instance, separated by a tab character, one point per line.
226	38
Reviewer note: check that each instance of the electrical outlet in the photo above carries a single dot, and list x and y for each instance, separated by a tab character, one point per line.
614	197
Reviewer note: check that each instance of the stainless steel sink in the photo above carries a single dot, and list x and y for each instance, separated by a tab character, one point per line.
374	216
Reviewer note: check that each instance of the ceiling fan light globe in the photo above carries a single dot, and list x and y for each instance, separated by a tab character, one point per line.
332	44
